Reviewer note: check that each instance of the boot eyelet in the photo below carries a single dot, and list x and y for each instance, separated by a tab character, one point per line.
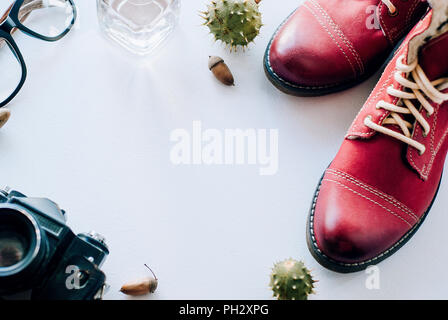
367	118
393	14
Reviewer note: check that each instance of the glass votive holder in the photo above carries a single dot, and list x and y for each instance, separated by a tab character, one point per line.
138	25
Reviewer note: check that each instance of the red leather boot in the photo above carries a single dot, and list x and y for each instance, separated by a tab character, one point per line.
384	179
330	45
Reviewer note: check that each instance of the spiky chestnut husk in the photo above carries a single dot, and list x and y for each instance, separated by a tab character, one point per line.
234	22
291	280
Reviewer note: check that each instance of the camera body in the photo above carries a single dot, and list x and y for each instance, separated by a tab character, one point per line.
41	255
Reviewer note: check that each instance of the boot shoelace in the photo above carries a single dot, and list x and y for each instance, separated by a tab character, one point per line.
421	89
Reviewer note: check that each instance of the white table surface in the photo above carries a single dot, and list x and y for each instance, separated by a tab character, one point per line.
90	130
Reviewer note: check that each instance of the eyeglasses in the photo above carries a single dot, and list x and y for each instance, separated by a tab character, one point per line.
48	20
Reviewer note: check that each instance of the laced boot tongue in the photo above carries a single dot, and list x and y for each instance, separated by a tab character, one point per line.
432	57
422	82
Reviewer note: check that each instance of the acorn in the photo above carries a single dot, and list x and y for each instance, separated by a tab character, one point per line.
220	70
142	286
4	116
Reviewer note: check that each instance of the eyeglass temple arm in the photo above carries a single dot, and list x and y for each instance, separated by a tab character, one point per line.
5	15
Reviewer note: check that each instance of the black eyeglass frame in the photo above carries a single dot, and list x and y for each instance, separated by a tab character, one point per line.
12	22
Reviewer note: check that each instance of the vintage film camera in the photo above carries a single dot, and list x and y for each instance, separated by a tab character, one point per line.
42	257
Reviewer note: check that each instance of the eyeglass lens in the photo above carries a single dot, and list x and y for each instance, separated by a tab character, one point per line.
49	18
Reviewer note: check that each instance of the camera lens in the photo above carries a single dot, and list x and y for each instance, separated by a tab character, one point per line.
23	248
13	247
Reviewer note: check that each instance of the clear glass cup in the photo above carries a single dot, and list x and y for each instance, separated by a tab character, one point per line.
138	25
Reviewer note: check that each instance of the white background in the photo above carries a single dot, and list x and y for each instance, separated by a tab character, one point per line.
90	130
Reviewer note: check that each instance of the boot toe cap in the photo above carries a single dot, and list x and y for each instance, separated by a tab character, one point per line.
311	59
351	226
